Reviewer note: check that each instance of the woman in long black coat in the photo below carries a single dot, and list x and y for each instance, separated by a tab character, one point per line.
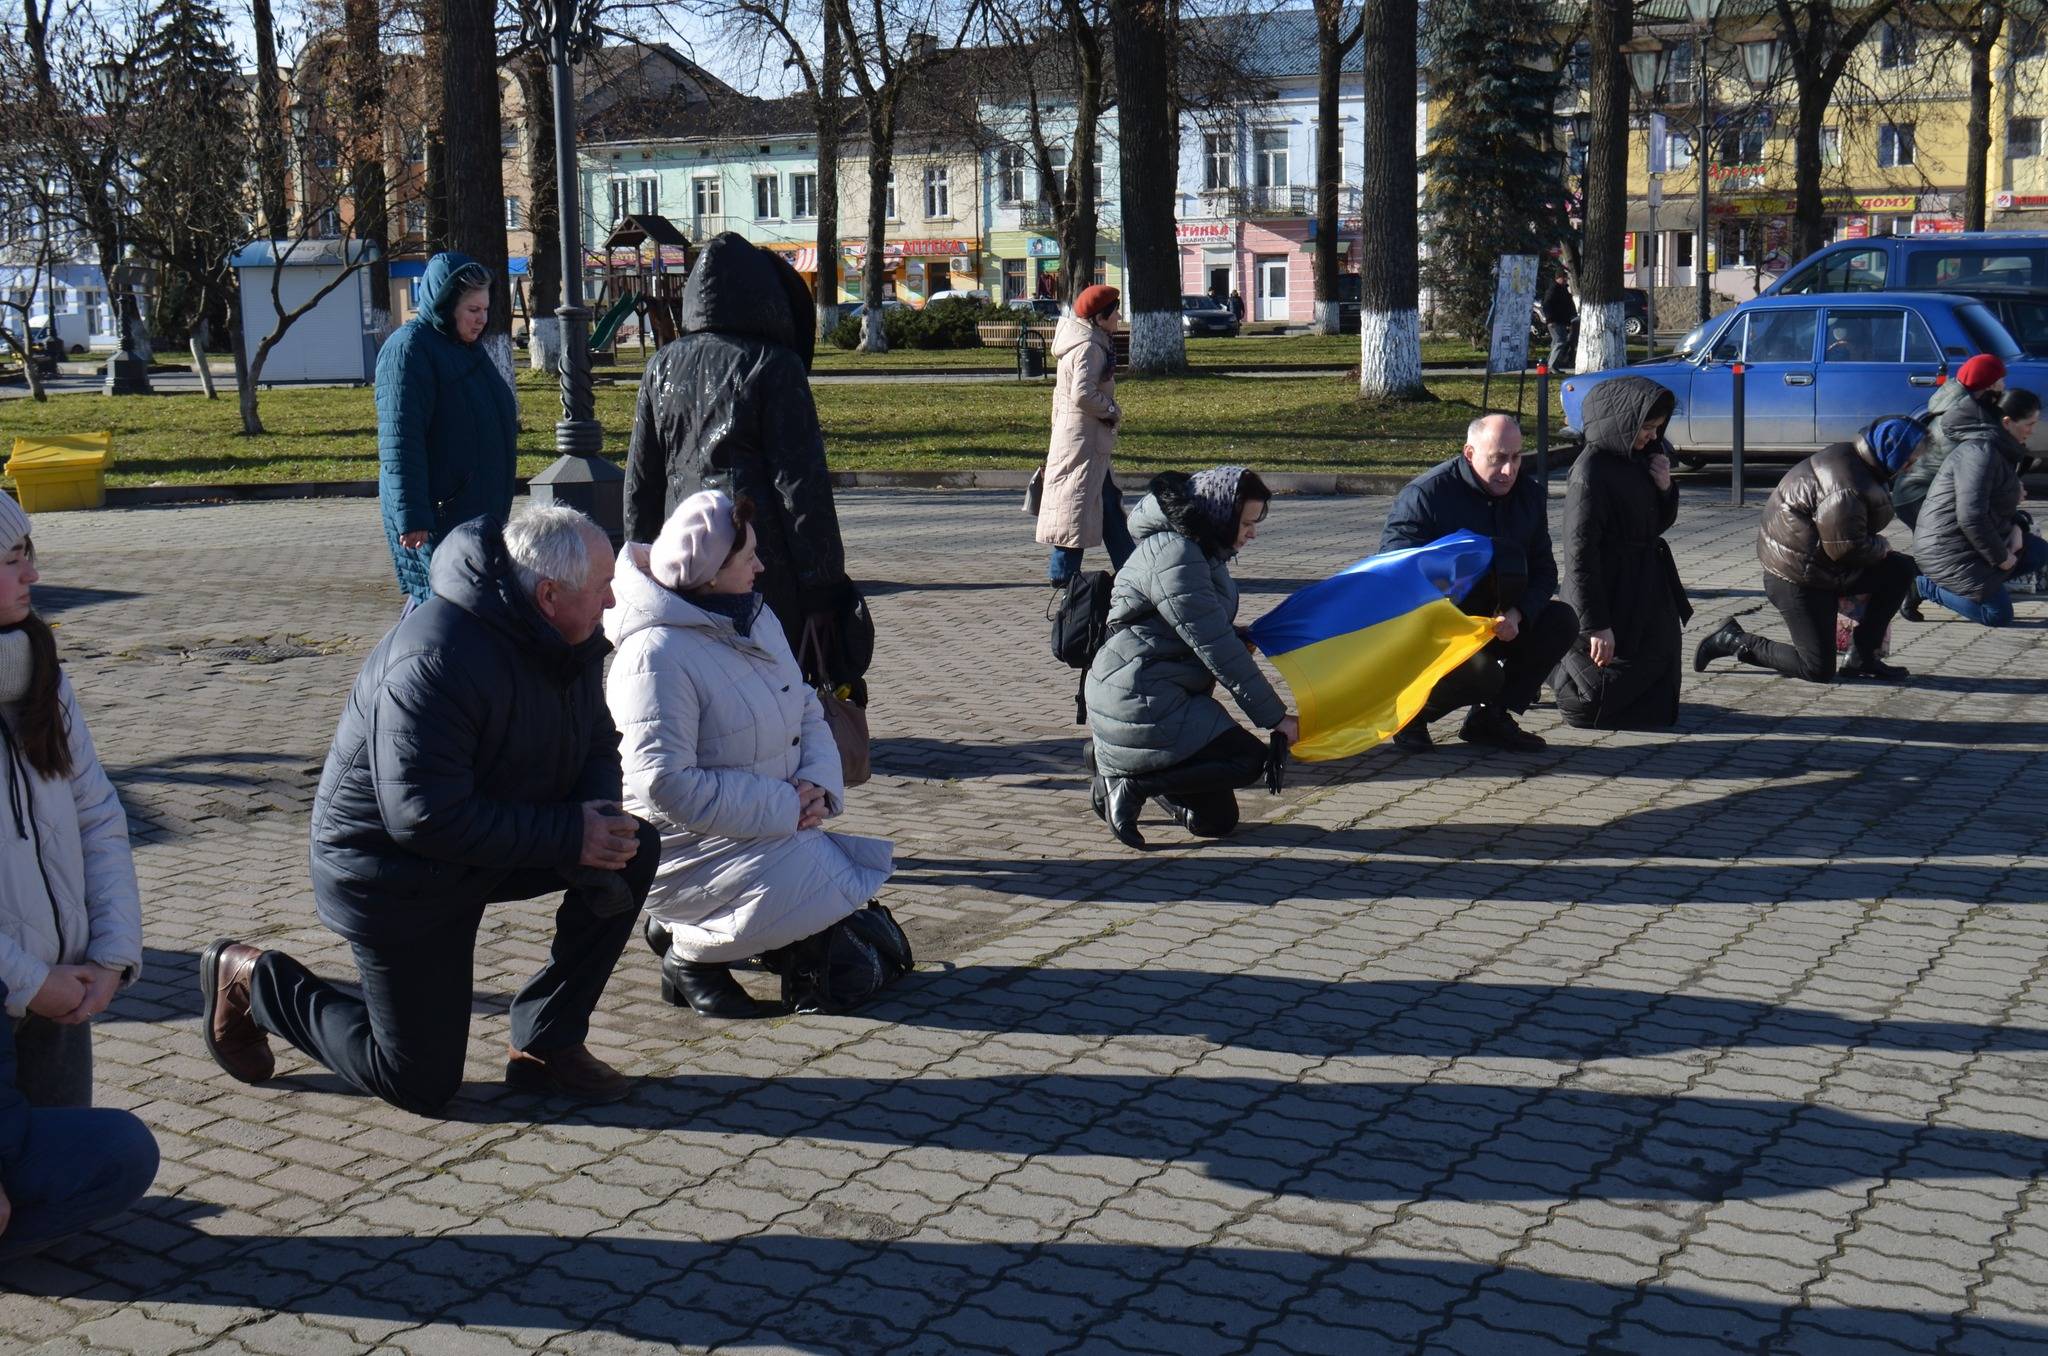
1617	570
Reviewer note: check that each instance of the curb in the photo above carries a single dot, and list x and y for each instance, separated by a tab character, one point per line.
1281	482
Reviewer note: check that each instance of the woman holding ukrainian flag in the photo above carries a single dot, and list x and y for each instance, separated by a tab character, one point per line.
1159	732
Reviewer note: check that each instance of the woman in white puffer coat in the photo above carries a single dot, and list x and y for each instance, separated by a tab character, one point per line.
70	913
726	752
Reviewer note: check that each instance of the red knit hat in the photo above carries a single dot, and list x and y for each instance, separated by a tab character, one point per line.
1098	300
1980	373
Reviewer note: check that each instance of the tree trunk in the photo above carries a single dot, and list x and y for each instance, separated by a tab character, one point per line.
831	75
270	123
475	200
1977	137
544	216
1603	334
874	338
365	92
1329	161
1809	222
1079	228
199	362
1143	31
1389	329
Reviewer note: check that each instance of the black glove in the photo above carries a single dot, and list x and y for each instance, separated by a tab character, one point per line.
604	893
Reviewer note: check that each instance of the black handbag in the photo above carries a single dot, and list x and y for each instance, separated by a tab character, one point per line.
844	966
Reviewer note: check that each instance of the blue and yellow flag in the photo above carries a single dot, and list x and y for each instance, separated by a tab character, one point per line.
1363	648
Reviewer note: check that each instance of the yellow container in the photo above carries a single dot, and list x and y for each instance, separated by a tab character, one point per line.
52	474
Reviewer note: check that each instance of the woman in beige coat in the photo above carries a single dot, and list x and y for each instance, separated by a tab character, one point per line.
1081	505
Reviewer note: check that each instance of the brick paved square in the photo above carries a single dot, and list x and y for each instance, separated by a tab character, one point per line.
1729	1039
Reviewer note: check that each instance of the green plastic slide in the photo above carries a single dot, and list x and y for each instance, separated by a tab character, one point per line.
601	337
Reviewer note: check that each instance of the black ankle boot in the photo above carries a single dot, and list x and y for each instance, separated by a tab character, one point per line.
655	934
708	991
1727	643
1869	666
1123	801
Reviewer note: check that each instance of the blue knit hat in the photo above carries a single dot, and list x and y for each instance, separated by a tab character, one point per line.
1892	442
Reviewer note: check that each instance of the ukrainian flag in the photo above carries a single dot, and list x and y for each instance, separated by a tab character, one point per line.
1363	648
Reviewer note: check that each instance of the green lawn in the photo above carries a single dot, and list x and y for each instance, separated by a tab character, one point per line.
1293	423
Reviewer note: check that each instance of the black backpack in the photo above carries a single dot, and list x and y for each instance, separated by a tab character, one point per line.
844	966
1080	623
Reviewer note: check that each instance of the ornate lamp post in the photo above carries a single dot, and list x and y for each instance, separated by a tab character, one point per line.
127	372
579	477
1703	14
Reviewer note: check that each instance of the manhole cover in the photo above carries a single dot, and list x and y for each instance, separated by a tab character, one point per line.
254	654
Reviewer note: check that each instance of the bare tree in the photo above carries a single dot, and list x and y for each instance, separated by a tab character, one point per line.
889	46
1338	33
1603	318
1145	36
474	188
1389	325
270	122
1821	38
544	215
33	236
364	81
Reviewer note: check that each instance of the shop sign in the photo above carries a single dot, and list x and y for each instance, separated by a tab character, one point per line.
1936	225
1781	206
2006	202
1041	247
1196	232
1628	251
1855	228
1879	202
900	249
1738	177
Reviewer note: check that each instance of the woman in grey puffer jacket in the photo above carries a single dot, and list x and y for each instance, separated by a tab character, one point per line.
1158	731
70	913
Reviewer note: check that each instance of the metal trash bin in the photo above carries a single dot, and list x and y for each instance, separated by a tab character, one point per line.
1031	353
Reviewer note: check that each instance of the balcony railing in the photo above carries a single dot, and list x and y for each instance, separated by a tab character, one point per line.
1280	200
699	229
1036	215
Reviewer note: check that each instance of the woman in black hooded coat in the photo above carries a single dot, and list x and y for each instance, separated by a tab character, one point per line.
727	406
1617	570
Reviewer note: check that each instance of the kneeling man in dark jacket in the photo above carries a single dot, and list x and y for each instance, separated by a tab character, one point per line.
476	763
1482	490
1821	539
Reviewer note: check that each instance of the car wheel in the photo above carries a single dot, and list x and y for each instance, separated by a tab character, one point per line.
1692	461
1634	327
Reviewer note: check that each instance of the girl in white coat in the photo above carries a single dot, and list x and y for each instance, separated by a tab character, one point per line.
70	913
726	752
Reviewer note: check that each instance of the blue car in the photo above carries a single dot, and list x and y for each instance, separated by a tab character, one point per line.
1818	368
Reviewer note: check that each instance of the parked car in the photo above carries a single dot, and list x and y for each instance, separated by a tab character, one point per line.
1817	368
860	308
1957	261
1635	303
1041	308
2022	310
71	329
1205	317
974	294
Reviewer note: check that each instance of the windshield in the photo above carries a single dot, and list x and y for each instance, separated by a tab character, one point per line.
1985	332
1191	302
1697	339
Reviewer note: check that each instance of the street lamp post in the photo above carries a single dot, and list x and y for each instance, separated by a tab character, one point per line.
127	373
580	477
1648	64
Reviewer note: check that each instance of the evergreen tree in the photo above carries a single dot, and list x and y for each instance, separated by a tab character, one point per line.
190	165
1491	188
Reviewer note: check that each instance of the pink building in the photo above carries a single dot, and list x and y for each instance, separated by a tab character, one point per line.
1270	262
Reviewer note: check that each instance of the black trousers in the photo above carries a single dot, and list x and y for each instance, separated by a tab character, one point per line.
1508	673
1810	617
405	1039
1203	790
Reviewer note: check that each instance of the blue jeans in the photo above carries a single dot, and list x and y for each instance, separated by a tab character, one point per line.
1997	609
79	1166
1065	561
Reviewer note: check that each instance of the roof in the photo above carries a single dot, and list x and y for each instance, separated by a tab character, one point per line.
726	115
300	253
1276	44
634	230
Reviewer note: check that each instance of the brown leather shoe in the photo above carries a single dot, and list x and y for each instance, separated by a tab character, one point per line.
234	1040
572	1072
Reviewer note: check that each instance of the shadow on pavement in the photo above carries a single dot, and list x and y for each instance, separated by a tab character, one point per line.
841	1295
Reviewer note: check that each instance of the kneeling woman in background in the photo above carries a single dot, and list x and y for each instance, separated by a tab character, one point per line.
1158	731
726	751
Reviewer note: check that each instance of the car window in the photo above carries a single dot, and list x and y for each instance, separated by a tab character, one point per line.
1996	267
1864	336
1986	334
1782	336
1920	345
1855	270
2027	323
1728	348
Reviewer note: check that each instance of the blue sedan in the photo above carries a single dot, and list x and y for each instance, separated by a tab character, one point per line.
1818	368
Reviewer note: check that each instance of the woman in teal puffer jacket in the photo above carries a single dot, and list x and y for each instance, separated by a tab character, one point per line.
447	423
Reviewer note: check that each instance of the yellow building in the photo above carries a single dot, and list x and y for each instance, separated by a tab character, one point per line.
1892	148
